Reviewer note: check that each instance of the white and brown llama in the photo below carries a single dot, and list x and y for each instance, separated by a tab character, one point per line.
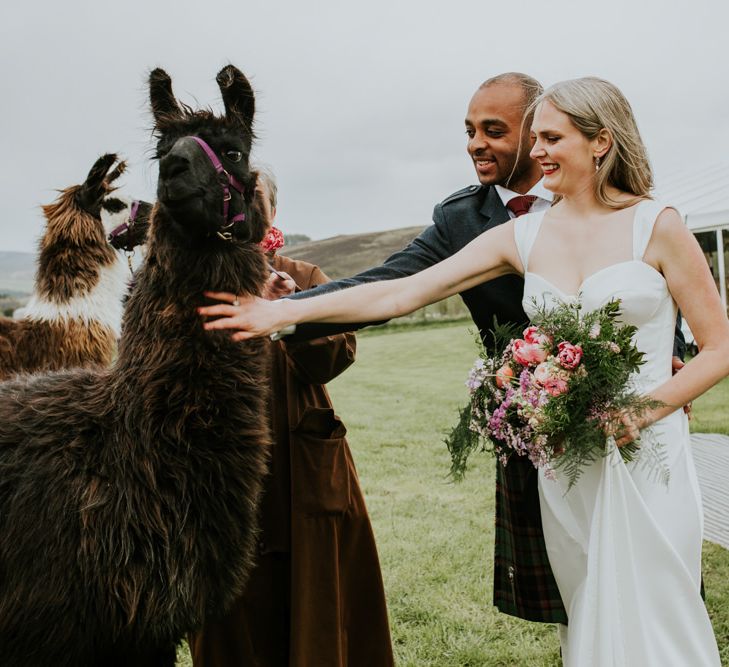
74	316
128	495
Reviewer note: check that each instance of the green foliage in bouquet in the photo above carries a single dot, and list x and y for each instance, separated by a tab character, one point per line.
464	439
553	394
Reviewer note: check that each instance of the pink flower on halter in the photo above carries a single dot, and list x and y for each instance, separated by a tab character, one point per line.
272	241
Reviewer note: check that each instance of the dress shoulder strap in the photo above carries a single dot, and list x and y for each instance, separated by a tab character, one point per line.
526	228
646	214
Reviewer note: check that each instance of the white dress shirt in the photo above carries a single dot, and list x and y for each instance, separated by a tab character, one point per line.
543	197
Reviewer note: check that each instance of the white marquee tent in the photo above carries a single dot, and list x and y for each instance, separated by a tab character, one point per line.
702	197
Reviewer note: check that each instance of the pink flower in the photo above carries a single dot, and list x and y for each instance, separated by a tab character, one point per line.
535	336
614	347
543	372
569	355
594	331
503	376
528	354
555	386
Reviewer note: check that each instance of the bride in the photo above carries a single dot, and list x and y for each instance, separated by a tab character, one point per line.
625	547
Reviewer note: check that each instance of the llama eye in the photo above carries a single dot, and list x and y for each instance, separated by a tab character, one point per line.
234	156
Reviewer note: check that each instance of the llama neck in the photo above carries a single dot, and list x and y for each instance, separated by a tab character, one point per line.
161	316
101	303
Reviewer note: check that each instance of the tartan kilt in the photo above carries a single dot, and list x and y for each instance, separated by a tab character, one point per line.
524	585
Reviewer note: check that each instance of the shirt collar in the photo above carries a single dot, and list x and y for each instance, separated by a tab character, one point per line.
538	190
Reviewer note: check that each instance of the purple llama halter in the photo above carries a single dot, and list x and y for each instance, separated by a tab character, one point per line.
126	226
227	181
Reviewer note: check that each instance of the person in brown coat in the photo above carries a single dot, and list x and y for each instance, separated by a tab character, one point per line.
315	598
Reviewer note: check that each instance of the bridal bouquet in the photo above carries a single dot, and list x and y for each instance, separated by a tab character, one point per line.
552	394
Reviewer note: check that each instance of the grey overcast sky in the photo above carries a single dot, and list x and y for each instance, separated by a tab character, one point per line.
360	105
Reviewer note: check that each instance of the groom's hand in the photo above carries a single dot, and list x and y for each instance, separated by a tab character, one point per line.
676	366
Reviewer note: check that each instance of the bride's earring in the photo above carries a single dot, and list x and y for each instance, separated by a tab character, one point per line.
597	163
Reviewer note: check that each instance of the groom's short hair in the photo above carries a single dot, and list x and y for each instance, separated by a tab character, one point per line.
531	87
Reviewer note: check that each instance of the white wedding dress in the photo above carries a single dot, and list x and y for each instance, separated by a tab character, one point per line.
625	547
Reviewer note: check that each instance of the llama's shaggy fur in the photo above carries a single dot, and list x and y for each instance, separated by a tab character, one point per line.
128	496
74	316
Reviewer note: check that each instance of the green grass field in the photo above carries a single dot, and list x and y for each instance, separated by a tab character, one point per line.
435	537
710	413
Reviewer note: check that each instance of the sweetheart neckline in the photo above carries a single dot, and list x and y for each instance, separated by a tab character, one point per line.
595	273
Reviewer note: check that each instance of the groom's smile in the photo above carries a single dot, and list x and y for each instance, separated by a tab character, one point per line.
494	128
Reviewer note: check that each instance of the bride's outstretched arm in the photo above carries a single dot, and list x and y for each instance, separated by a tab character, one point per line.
674	250
489	256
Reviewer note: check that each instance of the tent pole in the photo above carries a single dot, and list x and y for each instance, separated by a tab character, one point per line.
722	267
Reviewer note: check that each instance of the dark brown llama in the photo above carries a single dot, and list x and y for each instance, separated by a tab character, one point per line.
128	496
74	315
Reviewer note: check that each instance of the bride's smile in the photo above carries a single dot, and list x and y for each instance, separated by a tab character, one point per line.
567	157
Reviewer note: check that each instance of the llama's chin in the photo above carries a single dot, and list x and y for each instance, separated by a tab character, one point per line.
181	205
112	219
192	222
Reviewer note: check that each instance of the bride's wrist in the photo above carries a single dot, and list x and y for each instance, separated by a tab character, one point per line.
285	312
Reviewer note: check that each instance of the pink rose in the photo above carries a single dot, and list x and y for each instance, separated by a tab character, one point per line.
503	376
569	355
528	354
535	336
555	386
543	372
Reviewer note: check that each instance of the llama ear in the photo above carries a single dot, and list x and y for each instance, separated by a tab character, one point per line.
164	104
93	189
238	97
115	173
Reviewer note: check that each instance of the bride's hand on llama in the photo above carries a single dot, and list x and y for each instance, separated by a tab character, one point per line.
250	315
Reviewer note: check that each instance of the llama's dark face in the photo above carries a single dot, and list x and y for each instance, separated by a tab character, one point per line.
126	221
98	196
201	202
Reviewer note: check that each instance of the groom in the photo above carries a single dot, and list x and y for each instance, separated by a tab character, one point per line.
510	185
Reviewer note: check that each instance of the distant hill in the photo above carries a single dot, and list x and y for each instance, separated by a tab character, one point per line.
345	255
17	273
296	239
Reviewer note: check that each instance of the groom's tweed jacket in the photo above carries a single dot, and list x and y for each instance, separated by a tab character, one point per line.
524	585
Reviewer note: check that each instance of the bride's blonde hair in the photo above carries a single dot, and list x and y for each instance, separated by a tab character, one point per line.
593	104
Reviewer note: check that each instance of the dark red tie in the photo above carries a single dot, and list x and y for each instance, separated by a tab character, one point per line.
521	204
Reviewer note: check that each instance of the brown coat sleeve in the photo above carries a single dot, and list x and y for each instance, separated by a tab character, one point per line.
320	360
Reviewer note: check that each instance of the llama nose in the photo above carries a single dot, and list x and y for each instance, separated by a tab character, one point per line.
173	165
